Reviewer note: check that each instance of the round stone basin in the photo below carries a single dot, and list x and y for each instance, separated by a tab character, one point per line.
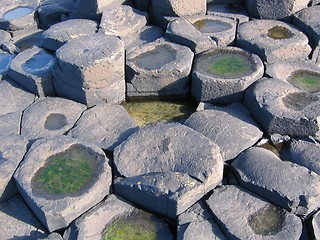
267	221
148	112
156	58
5	60
38	63
305	80
299	100
136	226
211	26
66	173
55	121
227	64
17	12
279	32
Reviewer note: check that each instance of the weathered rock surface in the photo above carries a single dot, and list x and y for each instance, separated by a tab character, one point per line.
25	38
10	123
286	184
179	7
230	127
243	215
234	11
5	59
316	225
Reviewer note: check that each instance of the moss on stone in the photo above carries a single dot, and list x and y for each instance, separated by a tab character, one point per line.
279	32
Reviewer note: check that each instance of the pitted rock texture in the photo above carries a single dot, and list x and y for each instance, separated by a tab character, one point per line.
10	123
234	11
179	7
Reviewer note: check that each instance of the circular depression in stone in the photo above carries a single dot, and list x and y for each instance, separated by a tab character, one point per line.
299	100
156	58
66	173
227	64
41	61
267	221
279	32
17	12
211	26
55	121
305	80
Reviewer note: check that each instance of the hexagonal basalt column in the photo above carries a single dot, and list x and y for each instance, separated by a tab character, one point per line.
5	60
49	117
221	75
32	69
159	69
116	219
90	69
316	225
273	40
234	11
166	168
61	178
281	108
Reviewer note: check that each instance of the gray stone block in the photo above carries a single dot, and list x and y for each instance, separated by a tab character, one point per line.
4	36
231	128
51	192
58	34
158	19
105	125
26	38
32	69
316	225
10	123
5	60
285	109
286	184
243	215
53	236
233	11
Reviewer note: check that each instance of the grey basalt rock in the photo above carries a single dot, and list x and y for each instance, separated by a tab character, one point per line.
60	33
243	215
316	225
5	59
273	40
54	236
10	123
230	127
281	108
49	117
105	125
181	31
56	209
4	36
163	175
233	11
286	184
18	222
26	38
160	69
132	20
12	149
91	69
32	69
211	83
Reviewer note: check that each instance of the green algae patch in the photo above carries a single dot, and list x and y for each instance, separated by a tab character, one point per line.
299	100
228	65
267	221
211	26
67	172
305	80
149	112
279	32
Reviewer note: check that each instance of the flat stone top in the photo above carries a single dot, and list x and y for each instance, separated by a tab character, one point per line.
4	36
20	7
87	50
234	11
168	147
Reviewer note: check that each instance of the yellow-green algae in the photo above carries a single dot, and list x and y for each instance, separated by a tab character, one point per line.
279	32
67	172
305	80
211	26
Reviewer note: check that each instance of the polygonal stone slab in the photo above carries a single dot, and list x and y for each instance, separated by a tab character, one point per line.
18	222
231	128
181	31
4	36
5	60
105	125
61	178
234	11
114	212
221	75
243	215
158	168
26	38
32	69
12	150
13	97
273	40
159	69
49	117
286	184
132	20
316	225
278	107
60	33
10	123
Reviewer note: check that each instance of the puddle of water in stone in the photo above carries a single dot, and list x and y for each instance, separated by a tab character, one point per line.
227	65
211	26
55	121
156	58
305	80
65	173
279	32
148	112
38	63
275	148
267	221
299	100
17	12
5	60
